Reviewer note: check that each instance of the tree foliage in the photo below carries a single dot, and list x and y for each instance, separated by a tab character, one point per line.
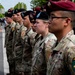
1	15
35	3
73	0
20	5
1	7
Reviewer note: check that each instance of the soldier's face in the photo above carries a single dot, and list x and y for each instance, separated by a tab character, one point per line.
26	21
56	22
40	26
19	18
14	17
8	19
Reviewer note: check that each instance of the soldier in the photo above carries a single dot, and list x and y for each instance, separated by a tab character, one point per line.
27	45
34	36
8	41
19	34
14	16
43	45
62	59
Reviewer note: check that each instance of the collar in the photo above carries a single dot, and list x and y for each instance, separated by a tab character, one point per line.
63	41
29	32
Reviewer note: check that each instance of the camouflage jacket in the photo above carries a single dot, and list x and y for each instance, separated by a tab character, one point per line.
33	39
27	50
19	34
8	40
62	59
39	54
9	33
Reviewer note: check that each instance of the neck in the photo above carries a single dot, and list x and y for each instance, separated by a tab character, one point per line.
62	34
29	26
20	22
11	22
45	33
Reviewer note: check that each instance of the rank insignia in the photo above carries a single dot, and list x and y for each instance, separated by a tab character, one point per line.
22	34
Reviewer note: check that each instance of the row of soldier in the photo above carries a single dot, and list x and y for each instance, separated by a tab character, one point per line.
39	44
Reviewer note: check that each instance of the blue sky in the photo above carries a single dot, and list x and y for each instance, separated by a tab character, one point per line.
11	3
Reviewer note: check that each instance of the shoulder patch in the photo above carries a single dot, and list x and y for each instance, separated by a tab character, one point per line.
13	28
22	34
73	64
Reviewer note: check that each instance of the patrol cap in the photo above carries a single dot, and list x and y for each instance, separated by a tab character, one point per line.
32	17
8	14
42	15
25	13
21	10
62	5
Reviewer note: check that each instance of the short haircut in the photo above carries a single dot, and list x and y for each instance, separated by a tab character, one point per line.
69	14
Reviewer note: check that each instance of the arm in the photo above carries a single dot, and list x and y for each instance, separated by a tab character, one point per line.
70	59
48	47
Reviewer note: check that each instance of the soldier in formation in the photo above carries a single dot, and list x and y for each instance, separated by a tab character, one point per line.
62	59
9	30
19	34
27	43
43	45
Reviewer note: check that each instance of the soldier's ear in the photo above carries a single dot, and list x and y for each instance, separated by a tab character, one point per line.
47	24
67	21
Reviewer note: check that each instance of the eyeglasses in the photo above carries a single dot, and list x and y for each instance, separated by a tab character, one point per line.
52	17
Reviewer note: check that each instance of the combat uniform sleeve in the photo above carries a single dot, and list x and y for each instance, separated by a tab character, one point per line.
70	60
23	31
13	26
48	47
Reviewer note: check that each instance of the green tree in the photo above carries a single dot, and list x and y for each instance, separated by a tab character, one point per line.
20	5
2	11
1	7
1	15
35	3
73	0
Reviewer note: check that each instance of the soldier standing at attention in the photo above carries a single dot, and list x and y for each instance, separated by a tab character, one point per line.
43	45
14	16
8	41
20	30
27	46
62	19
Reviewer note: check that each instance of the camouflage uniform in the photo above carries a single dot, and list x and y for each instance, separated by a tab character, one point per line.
27	56
18	47
8	43
33	38
62	59
41	48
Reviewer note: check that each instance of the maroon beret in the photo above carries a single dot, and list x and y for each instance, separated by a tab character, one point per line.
37	8
62	5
